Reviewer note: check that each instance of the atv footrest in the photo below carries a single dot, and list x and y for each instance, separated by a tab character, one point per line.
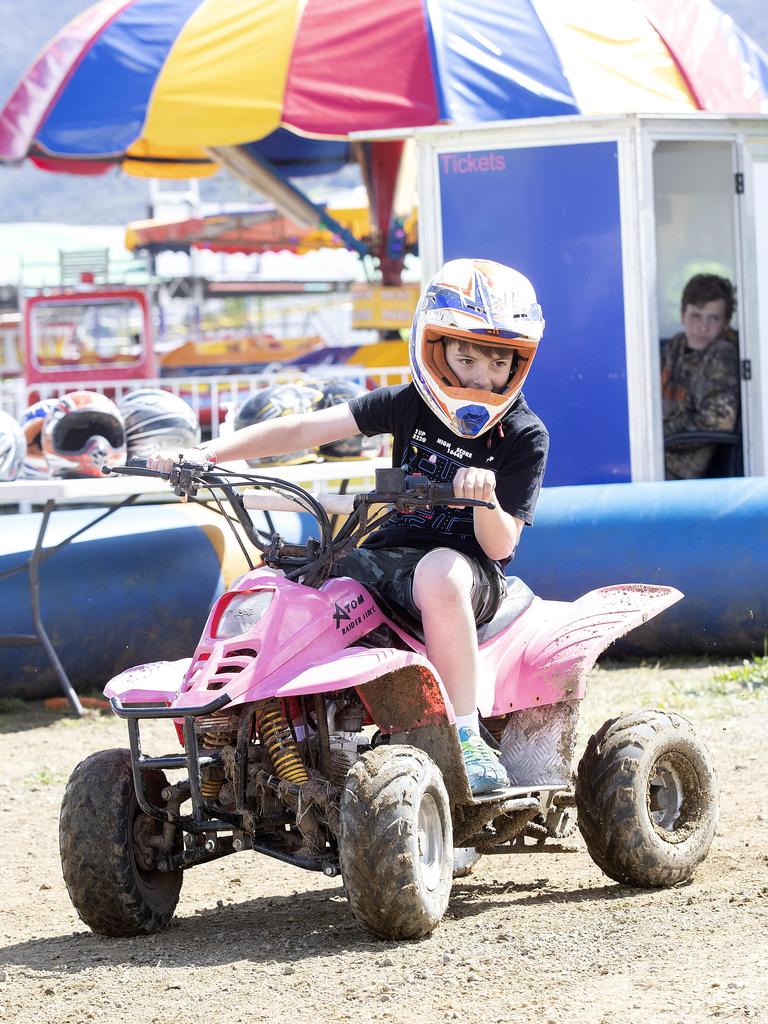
514	794
171	761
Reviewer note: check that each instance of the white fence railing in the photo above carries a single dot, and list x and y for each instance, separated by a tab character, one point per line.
211	397
13	397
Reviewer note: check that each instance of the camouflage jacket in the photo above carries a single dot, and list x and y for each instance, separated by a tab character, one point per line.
699	391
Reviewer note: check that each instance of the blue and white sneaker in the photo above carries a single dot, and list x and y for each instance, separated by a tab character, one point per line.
484	771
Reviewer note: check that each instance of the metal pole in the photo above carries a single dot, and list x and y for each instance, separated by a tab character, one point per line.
34	595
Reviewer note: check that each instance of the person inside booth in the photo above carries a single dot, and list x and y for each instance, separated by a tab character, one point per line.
700	385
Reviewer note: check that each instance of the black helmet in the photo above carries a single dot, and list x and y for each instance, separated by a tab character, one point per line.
157	420
335	392
279	400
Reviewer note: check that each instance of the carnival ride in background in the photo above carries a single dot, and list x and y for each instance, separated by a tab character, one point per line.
101	338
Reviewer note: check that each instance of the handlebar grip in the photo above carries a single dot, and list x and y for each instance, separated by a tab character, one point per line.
439	493
140	470
423	487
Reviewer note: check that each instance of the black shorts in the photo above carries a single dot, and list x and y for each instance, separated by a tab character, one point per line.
388	574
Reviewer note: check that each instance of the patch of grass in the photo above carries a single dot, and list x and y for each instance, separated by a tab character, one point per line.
751	674
701	689
11	705
46	777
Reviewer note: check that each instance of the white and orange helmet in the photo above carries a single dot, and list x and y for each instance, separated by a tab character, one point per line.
484	303
83	433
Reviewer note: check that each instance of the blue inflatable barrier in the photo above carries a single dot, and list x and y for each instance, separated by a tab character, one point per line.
708	538
135	588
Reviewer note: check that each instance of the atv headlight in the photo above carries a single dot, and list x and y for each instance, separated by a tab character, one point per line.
242	612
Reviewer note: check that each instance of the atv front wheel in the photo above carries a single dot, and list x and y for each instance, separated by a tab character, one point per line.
106	857
396	848
647	798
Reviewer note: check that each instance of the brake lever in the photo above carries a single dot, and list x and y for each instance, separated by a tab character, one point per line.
133	471
406	503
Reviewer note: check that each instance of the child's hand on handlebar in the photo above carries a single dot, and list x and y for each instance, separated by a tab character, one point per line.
471	482
164	462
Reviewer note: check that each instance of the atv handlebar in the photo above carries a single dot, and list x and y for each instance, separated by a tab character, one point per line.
393	487
394	491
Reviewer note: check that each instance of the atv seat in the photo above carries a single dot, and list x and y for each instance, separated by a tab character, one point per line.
518	599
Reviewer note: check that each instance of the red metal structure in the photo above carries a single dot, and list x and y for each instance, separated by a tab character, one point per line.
78	335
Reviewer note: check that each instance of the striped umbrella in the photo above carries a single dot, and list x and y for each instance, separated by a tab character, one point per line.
273	88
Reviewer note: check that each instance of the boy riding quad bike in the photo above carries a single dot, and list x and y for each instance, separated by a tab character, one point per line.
318	715
463	421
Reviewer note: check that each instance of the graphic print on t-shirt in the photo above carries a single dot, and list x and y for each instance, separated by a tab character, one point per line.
435	462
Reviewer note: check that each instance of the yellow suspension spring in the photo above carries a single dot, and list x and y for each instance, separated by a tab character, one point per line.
279	743
210	787
216	732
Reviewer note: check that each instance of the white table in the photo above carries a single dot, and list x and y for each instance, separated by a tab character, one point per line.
116	491
107	489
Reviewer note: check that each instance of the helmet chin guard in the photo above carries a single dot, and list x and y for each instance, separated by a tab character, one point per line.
485	304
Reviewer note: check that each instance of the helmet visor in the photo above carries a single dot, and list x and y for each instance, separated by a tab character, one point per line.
73	432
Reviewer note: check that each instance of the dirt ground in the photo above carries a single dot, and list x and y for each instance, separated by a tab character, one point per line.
542	937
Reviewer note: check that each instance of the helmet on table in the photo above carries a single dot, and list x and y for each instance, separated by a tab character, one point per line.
485	304
279	400
82	433
12	447
157	420
359	446
32	421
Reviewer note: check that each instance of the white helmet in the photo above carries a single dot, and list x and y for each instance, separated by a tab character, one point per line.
157	420
82	433
484	303
13	445
32	421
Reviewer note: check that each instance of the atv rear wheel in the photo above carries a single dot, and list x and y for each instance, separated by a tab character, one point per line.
106	857
396	848
647	798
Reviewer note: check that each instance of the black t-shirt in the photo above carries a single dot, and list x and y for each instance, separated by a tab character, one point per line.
517	454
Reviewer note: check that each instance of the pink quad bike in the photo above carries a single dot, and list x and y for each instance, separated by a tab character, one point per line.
314	730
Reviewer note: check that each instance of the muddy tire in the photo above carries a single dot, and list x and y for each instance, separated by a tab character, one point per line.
105	857
647	799
396	847
464	860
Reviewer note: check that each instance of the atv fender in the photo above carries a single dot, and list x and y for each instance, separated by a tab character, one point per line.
400	689
144	684
405	697
557	658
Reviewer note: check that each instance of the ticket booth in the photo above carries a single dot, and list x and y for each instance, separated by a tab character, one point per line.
609	216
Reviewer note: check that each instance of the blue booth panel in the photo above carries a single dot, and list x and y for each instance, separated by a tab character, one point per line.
552	212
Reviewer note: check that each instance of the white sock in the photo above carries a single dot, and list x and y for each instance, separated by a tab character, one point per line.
468	722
